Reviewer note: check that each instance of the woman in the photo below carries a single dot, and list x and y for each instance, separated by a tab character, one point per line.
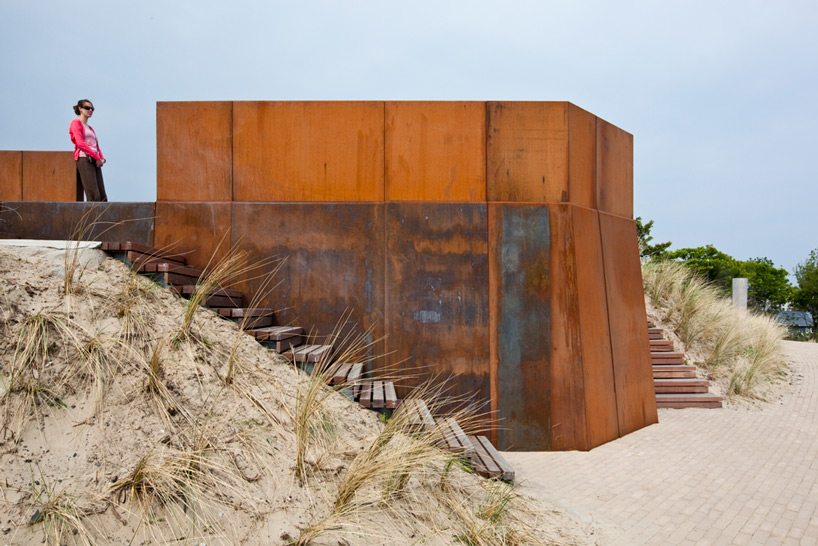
87	154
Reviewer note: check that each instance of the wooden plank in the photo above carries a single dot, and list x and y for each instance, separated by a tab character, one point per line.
484	465
506	472
390	397
220	302
243	312
188	289
355	373
299	354
150	251
377	394
317	354
365	398
456	439
340	375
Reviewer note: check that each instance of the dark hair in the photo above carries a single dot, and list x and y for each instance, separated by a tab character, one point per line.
80	103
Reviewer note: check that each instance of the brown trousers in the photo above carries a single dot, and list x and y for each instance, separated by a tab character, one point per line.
89	179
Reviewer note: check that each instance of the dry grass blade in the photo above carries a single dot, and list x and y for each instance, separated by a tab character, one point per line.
61	515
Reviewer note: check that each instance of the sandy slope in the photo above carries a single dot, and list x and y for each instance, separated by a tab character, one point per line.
80	419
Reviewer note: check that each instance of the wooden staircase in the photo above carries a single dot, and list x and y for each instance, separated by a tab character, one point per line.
676	383
350	379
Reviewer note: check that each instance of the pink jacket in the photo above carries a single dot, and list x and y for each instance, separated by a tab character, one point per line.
77	132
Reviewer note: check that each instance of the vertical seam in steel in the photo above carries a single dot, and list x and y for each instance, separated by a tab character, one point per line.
608	313
385	243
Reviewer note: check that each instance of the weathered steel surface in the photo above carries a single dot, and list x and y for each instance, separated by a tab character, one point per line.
194	151
49	176
437	297
334	263
614	169
581	157
636	401
520	258
594	331
200	230
527	151
59	220
11	175
308	151
435	151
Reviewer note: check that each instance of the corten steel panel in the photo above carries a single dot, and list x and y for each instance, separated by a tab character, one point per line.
60	220
200	231
49	176
308	151
527	151
11	175
568	408
595	336
437	297
435	151
581	157
334	263
614	169
633	373
194	151
521	321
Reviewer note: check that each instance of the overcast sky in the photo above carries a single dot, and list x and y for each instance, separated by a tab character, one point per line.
720	96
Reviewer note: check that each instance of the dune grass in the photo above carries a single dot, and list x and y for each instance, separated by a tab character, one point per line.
741	348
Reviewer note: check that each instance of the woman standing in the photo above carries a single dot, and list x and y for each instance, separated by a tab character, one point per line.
87	154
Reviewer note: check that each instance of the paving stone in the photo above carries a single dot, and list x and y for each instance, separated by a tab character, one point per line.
699	476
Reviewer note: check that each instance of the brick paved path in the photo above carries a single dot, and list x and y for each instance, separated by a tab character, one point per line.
699	476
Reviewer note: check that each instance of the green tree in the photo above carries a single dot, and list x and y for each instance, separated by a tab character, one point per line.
710	263
769	288
647	250
806	273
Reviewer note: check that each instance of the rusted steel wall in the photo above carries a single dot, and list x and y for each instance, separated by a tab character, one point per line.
49	176
614	169
633	375
11	175
194	151
521	321
435	151
437	296
467	233
334	264
59	220
552	371
200	230
308	151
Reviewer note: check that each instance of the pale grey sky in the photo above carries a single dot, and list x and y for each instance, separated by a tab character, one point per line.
720	96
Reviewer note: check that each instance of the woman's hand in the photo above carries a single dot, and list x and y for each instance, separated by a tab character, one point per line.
100	162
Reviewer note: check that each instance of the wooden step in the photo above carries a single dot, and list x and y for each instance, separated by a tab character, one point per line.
417	414
696	400
279	338
346	377
307	353
664	358
674	372
375	394
248	317
656	333
121	249
216	298
454	438
661	345
680	386
488	462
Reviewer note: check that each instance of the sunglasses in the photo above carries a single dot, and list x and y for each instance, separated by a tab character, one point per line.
87	108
